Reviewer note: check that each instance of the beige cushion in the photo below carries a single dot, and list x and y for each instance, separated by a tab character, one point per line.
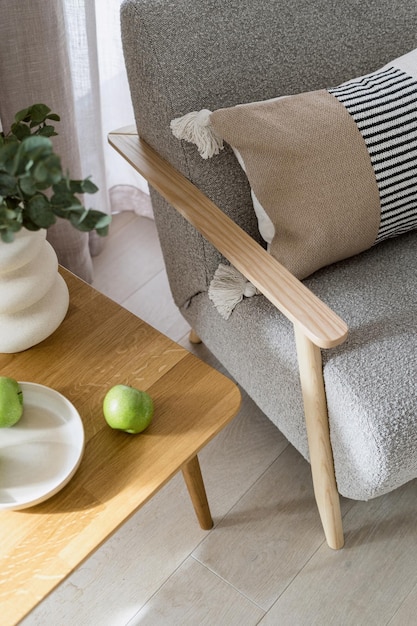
319	191
335	170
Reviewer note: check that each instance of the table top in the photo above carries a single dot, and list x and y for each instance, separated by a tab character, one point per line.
98	345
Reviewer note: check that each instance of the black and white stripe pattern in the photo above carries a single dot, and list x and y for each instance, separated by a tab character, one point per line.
384	107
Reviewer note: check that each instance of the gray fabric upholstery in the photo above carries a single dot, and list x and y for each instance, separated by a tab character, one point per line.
370	379
195	54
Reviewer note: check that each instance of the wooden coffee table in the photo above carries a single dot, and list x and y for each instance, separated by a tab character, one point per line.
98	345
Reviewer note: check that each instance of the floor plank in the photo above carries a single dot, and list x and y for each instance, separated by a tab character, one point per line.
131	258
364	583
124	573
187	600
269	535
154	304
406	614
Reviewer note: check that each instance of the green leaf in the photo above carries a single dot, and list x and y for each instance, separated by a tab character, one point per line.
8	186
75	186
102	232
36	144
47	131
10	139
88	186
15	224
61	187
13	203
89	220
39	211
20	130
5	214
22	115
64	199
48	170
27	185
29	225
7	236
103	220
82	186
38	113
7	152
33	148
34	117
29	166
7	157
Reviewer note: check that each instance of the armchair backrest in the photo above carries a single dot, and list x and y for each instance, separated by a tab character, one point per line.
192	54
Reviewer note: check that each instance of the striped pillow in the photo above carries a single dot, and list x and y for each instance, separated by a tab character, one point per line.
384	108
332	172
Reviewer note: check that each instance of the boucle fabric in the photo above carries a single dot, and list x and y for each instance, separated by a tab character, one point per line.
370	379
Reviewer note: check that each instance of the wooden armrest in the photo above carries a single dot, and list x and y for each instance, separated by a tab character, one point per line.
314	318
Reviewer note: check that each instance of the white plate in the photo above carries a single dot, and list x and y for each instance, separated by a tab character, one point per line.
42	452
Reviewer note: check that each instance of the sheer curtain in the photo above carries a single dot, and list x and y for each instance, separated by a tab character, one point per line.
67	54
102	98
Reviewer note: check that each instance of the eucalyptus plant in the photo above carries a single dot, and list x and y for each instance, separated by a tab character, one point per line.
34	191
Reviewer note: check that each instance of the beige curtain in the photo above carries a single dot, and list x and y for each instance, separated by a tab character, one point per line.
34	67
67	54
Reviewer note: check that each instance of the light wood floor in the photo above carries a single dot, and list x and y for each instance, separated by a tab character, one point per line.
265	561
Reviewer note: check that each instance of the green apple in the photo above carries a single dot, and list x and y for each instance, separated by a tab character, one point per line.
129	409
11	402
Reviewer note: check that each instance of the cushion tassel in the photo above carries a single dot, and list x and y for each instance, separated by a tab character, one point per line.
228	288
195	128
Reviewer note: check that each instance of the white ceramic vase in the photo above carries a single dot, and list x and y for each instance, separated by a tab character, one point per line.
33	295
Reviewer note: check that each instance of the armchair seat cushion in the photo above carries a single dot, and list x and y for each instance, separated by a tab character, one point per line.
373	417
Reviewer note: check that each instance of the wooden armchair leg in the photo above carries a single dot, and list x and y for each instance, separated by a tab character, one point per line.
193	337
317	424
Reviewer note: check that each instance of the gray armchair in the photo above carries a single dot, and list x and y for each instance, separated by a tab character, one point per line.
331	359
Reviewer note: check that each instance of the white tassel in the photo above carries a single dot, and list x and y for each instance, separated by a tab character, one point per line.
195	128
228	288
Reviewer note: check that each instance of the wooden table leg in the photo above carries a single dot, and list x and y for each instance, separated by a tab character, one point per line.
195	485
